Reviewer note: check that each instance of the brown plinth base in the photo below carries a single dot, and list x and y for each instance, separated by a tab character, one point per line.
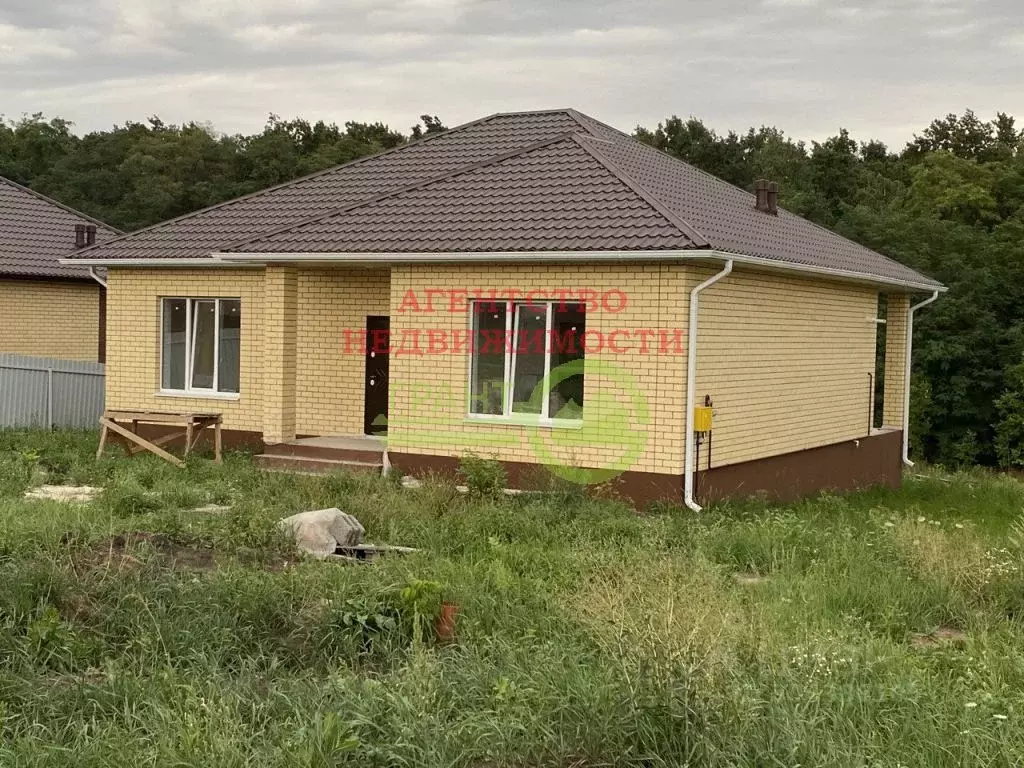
868	462
640	488
855	464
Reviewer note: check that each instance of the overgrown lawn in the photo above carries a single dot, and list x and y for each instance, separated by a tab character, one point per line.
878	629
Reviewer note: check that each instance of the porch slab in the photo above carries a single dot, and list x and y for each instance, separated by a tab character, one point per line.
328	453
342	442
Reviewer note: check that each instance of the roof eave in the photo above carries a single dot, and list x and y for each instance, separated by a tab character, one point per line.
249	260
255	259
45	278
864	278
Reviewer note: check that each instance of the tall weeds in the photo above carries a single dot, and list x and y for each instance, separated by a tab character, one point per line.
878	629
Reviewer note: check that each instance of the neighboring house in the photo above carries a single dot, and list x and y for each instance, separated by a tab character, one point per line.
47	309
522	287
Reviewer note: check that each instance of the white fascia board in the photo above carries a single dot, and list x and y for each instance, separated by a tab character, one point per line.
838	274
573	256
455	257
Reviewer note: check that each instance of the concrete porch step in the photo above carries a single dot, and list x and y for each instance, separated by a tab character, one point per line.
290	450
315	466
359	449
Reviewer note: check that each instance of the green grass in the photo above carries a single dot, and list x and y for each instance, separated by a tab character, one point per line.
588	634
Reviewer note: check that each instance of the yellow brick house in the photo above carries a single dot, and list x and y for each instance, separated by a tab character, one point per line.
536	287
48	309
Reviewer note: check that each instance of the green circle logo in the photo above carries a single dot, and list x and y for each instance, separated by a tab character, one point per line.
614	427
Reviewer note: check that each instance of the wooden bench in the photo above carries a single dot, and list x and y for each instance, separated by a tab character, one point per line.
191	426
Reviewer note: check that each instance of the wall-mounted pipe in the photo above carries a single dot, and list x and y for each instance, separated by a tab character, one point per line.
906	375
96	277
691	384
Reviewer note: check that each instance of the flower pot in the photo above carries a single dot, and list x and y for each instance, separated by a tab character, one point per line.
444	625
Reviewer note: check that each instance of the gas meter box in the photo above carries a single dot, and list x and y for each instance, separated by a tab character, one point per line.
702	418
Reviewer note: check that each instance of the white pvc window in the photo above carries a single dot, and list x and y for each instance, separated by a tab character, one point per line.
517	356
200	345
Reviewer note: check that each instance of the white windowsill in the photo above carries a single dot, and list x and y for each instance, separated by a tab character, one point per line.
197	394
525	420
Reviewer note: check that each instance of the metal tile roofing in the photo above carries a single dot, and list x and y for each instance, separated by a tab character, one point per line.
203	232
534	181
725	215
554	197
36	231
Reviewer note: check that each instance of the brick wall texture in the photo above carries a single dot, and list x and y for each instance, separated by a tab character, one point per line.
133	339
633	411
786	360
50	319
895	360
330	390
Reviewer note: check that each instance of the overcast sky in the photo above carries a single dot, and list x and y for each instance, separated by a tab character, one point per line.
882	68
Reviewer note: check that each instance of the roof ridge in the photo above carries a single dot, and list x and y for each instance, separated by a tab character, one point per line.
57	203
402	190
685	228
283	184
515	112
582	118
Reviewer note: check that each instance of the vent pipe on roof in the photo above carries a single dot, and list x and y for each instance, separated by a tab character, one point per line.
90	234
79	235
767	196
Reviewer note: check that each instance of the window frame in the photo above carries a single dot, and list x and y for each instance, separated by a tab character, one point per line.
190	331
508	416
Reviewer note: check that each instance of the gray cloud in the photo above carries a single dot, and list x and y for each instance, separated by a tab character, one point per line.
882	68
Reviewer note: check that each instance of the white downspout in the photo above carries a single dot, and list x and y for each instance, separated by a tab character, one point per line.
97	278
906	376
691	384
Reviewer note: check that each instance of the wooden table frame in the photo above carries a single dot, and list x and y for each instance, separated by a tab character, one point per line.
191	424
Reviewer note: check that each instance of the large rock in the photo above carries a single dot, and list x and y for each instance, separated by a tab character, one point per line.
322	531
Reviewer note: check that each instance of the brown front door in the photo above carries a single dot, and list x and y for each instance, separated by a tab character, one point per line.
375	409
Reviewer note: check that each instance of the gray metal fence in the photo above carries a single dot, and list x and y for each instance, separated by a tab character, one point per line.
47	392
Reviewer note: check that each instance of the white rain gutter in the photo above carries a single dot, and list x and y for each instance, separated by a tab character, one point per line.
254	260
696	254
691	383
97	278
906	375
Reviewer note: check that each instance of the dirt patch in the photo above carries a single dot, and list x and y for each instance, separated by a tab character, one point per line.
127	551
941	636
121	551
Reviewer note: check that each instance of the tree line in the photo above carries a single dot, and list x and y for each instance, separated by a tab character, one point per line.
950	204
140	173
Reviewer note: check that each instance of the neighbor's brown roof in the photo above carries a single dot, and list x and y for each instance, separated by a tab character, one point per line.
536	181
36	231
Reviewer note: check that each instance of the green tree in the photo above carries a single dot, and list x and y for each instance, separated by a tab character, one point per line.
963	135
1010	425
694	142
29	147
139	173
431	124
